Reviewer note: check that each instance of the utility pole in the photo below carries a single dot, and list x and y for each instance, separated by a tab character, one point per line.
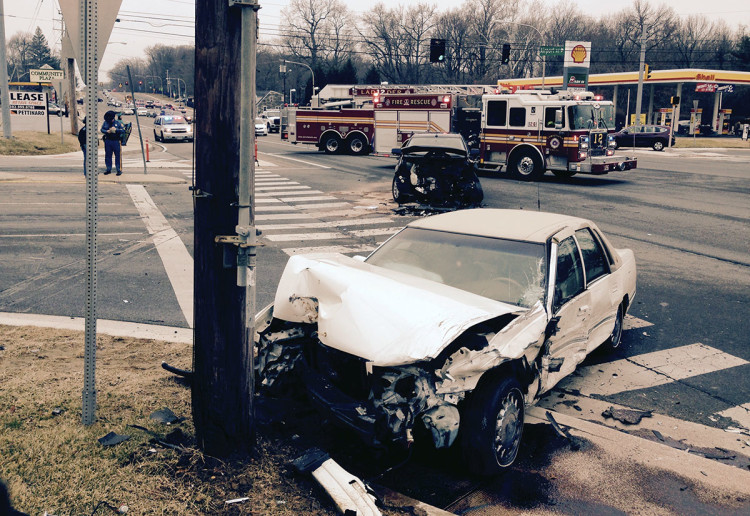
640	80
5	98
222	386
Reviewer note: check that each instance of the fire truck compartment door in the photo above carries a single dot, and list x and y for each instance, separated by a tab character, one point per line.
291	125
440	121
386	127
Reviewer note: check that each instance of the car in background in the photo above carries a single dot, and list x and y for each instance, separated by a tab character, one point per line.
142	111
54	109
449	329
172	127
654	136
436	169
261	129
127	110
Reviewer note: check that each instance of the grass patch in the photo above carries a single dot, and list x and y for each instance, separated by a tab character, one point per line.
711	143
53	463
34	143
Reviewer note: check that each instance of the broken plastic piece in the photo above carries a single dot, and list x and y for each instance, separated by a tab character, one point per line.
349	493
630	417
165	416
562	431
112	439
236	500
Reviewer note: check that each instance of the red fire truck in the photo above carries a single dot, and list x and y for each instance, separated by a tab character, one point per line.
361	119
529	132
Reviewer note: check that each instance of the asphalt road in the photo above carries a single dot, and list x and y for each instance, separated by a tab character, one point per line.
685	214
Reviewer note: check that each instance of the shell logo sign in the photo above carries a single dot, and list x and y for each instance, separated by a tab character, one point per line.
578	54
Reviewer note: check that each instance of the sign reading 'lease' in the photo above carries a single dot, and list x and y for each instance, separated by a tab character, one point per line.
30	103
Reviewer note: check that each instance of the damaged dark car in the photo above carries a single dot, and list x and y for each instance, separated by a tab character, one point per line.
450	329
436	169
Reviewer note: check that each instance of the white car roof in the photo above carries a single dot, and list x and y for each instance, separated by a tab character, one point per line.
523	225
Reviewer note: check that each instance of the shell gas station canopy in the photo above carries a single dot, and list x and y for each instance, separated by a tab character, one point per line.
708	81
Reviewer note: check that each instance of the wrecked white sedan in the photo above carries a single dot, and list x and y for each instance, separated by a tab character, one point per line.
450	328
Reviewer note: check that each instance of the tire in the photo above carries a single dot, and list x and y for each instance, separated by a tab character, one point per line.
658	145
526	165
615	338
332	144
492	425
156	136
564	173
399	189
357	145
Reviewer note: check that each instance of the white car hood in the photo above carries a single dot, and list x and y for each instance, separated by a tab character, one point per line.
386	317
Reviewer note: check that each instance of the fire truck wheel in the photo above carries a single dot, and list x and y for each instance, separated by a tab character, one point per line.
357	144
564	173
332	144
526	165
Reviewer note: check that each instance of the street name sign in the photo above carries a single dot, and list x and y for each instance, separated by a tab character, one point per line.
553	50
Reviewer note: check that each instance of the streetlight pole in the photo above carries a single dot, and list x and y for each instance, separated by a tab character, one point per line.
541	42
178	87
311	73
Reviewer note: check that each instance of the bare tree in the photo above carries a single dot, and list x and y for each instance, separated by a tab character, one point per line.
316	30
690	40
396	39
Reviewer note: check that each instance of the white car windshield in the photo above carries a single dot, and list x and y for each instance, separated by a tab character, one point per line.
504	270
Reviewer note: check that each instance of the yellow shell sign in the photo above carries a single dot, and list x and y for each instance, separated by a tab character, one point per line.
578	54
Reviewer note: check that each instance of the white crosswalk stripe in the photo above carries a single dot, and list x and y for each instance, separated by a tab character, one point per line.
374	232
649	370
305	236
295	192
343	249
329	224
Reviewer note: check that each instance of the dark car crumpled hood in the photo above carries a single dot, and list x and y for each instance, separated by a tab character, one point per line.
386	317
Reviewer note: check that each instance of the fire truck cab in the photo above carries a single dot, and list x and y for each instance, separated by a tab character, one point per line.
530	132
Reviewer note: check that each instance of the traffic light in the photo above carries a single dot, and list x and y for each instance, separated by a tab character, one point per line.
646	72
506	53
437	50
675	101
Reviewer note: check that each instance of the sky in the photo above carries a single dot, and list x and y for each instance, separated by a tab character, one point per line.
170	22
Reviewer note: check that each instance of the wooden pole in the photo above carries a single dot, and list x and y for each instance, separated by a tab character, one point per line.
222	405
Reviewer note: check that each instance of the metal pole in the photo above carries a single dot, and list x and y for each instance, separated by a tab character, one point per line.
5	94
246	257
640	82
137	123
90	35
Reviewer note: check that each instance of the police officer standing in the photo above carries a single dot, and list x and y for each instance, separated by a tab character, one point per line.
112	130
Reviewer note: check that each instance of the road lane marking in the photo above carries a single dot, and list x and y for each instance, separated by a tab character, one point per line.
649	370
329	224
343	249
373	232
279	194
274	182
740	414
267	201
299	160
631	323
174	255
316	198
291	237
285	188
